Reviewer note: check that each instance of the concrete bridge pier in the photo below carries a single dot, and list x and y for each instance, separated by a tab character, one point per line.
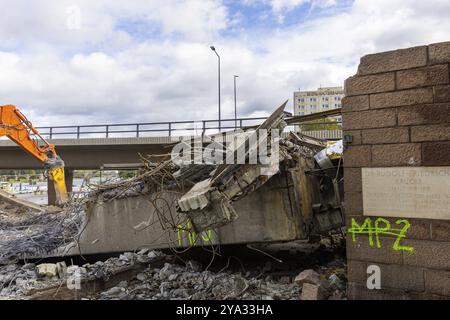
51	194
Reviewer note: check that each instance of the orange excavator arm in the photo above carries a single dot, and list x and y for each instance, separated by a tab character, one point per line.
16	127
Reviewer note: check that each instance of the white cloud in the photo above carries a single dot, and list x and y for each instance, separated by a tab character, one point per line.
27	22
109	71
279	5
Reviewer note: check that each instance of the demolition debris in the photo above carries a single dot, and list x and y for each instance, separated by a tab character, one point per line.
28	230
152	275
200	197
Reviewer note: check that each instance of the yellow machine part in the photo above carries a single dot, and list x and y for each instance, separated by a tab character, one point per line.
59	181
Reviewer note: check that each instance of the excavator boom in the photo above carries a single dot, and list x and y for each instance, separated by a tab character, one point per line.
16	127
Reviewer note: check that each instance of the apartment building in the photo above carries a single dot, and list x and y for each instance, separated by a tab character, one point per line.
323	99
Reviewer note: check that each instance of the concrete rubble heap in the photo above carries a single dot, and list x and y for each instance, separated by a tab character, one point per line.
206	194
166	281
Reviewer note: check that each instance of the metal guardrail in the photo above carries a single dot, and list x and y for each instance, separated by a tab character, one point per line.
166	128
137	129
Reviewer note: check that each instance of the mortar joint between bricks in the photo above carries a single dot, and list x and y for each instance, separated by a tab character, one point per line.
434	91
395	81
448	69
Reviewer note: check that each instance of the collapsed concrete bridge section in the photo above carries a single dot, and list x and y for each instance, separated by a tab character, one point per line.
241	203
172	205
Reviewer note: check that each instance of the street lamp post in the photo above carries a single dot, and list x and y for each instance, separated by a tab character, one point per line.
214	49
235	103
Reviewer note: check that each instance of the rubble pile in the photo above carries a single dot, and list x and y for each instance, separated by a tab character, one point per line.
16	280
187	280
205	197
192	282
182	282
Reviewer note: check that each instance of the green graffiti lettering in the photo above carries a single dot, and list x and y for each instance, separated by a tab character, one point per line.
192	236
378	229
186	230
207	236
401	235
381	226
180	242
366	228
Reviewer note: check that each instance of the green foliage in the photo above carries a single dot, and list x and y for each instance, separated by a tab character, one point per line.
26	176
321	124
126	174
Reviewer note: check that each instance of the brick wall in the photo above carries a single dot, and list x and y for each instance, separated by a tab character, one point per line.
397	110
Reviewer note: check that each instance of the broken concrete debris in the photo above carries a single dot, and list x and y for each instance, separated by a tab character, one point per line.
178	281
206	197
208	190
335	283
209	203
51	270
312	292
307	276
317	286
154	280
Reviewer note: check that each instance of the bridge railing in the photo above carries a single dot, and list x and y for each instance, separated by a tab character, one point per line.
146	128
176	128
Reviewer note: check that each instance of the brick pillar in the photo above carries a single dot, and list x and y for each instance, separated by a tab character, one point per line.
397	111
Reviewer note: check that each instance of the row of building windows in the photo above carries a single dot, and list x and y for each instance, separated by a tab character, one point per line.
313	106
315	99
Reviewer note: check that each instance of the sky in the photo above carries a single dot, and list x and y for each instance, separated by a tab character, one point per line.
81	62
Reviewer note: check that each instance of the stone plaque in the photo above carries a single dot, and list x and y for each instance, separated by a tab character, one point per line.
409	192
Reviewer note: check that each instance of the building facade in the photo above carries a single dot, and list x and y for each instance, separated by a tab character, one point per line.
323	99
